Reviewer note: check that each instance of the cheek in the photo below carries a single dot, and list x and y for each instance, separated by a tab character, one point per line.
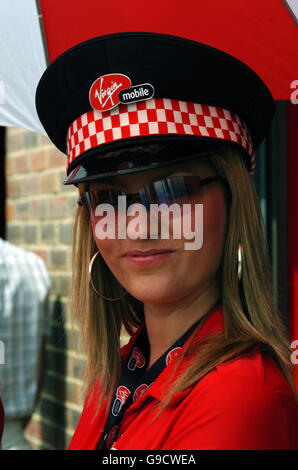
209	216
214	221
215	224
108	247
209	222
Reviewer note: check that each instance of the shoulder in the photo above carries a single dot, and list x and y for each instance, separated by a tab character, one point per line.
245	403
13	254
255	376
29	264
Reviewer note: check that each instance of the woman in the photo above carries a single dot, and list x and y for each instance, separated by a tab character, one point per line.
208	364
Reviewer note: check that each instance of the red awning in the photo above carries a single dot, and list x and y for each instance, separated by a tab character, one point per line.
261	34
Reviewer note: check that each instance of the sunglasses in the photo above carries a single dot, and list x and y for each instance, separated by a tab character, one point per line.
169	190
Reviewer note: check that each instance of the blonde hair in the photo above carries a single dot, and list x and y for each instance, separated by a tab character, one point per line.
250	315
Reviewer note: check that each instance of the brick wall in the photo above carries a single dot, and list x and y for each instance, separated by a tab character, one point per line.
39	213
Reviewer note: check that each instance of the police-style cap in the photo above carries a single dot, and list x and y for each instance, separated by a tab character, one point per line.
128	102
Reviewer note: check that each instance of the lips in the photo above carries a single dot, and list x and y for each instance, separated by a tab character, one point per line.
143	259
147	252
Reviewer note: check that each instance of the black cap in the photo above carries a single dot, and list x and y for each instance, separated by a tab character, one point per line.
174	70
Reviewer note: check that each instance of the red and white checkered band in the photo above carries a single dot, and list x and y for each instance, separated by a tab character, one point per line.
156	116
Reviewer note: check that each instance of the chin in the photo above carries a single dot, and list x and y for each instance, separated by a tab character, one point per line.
155	292
154	299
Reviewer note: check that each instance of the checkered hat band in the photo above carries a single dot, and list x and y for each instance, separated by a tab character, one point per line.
153	117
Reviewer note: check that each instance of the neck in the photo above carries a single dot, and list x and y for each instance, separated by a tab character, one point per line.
167	322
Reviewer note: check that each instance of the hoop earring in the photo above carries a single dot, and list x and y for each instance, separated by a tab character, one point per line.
93	287
239	263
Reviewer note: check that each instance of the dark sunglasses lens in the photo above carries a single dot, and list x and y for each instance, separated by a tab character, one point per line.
176	189
103	196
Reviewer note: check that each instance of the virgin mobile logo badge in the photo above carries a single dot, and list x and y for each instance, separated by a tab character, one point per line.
136	93
104	92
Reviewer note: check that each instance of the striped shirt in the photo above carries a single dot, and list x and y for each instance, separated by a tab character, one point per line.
24	288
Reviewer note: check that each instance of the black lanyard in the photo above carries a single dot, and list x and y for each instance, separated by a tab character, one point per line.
135	380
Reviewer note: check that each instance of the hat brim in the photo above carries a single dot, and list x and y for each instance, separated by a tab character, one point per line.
142	156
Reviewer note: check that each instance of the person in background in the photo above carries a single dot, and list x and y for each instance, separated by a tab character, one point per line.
1	420
24	288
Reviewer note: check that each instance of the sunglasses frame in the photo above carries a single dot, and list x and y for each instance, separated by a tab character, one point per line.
83	201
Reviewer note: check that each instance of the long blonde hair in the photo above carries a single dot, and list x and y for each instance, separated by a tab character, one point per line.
250	315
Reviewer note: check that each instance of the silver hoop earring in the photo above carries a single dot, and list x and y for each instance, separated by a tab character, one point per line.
239	262
94	288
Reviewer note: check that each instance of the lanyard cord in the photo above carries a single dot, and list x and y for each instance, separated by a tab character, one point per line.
135	380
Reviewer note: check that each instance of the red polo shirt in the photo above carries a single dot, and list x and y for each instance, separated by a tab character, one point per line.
245	403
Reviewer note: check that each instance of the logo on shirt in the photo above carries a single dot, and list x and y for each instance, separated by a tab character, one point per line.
121	396
137	359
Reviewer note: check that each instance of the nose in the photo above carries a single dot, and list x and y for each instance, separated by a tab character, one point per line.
138	221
